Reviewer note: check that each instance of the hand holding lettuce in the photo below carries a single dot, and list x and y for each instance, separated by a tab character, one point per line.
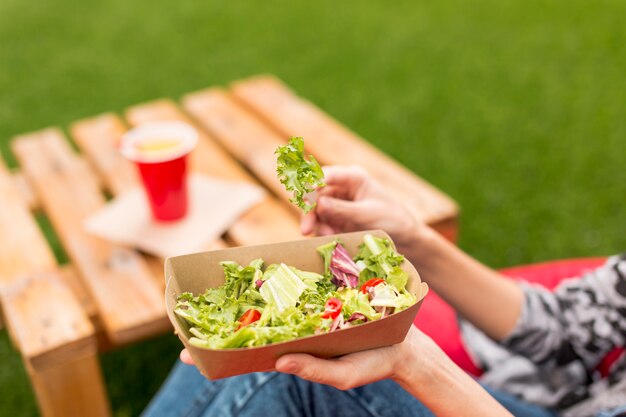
257	306
353	201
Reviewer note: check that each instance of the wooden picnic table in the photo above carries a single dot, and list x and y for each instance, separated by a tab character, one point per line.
60	316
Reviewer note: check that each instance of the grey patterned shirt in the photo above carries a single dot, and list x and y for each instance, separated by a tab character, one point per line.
561	336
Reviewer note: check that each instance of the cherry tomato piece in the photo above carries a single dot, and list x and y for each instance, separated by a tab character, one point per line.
332	308
371	284
250	316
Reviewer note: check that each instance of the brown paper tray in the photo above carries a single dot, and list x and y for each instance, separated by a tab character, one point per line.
196	272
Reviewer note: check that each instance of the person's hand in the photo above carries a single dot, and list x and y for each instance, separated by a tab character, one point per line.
417	364
359	368
398	362
353	201
185	357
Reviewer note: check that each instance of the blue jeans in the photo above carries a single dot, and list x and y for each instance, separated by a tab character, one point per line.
186	393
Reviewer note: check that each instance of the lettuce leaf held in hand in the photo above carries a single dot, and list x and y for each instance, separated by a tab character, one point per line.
297	174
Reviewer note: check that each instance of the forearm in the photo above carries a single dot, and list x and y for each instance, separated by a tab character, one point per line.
478	293
417	364
443	387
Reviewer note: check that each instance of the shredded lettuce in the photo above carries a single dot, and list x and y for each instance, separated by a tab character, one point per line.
297	174
240	283
326	251
355	301
291	301
397	278
380	260
282	288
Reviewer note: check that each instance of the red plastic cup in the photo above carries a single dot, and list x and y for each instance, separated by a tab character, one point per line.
160	151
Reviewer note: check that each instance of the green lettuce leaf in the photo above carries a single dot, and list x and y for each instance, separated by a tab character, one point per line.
282	287
326	251
297	174
380	261
355	301
397	278
239	278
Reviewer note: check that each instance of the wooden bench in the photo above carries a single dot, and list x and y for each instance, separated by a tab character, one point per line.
60	317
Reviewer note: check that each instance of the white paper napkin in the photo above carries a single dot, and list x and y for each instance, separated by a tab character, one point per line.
214	205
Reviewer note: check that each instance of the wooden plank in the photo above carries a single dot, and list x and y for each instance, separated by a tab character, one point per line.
24	255
98	139
333	143
46	322
157	268
23	248
245	136
26	191
73	389
130	305
71	278
49	334
269	221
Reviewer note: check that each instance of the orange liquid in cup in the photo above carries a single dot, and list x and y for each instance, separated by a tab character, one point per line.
161	158
157	145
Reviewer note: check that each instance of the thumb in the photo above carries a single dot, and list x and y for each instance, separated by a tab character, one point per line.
329	372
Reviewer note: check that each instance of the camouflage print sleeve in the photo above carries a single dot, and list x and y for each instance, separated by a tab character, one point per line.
581	321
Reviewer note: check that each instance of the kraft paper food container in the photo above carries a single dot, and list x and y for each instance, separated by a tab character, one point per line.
196	272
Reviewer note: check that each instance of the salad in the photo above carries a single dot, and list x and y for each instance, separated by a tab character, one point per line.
259	305
297	174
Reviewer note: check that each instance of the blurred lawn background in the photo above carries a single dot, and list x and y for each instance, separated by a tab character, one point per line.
517	109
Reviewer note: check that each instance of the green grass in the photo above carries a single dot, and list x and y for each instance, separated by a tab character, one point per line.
514	108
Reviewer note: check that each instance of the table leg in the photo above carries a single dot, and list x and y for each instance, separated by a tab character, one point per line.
71	389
